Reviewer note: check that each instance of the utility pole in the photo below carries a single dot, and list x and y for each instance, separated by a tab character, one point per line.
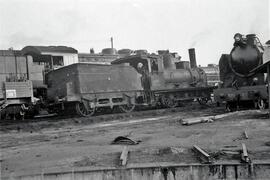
111	42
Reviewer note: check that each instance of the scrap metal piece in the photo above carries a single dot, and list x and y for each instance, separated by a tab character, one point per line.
196	120
124	156
204	156
124	140
244	155
45	115
245	134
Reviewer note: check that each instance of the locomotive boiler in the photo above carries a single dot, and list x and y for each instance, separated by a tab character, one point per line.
240	85
182	76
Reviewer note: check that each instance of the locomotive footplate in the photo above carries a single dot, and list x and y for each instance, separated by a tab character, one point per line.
248	93
170	98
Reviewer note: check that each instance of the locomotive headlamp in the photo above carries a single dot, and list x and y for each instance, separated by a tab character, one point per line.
140	65
255	80
237	37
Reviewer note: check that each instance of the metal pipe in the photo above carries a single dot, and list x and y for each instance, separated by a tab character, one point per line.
16	66
268	77
27	68
51	62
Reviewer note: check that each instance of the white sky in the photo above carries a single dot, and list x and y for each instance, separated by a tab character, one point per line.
207	25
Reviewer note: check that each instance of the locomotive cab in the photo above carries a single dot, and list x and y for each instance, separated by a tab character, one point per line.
145	65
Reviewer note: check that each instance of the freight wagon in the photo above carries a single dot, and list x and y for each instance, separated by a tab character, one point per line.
89	87
16	92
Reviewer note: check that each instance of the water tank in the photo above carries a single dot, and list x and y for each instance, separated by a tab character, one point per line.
125	51
109	51
141	52
161	52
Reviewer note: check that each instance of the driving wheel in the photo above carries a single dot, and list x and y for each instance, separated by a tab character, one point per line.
81	110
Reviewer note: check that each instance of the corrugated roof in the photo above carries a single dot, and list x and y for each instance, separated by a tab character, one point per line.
48	49
131	58
96	55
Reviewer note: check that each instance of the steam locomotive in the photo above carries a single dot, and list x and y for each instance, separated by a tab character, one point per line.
240	85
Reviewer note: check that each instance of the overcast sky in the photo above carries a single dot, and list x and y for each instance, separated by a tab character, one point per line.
207	25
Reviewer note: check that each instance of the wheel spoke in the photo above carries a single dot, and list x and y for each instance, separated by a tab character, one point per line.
261	104
127	108
202	101
82	111
169	102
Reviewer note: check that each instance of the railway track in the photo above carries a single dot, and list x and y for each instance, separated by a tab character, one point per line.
58	121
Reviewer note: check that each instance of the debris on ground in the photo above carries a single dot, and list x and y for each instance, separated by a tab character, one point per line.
244	154
207	119
245	134
45	115
202	155
124	156
177	150
230	150
85	161
125	141
190	121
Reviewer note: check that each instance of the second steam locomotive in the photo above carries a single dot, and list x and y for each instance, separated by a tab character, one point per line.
240	84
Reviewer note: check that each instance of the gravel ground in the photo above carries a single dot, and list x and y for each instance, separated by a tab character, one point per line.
34	147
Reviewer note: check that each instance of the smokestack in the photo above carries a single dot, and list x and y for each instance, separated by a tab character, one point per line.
192	57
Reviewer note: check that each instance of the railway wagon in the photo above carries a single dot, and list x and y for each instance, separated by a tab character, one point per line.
89	87
240	85
167	81
16	92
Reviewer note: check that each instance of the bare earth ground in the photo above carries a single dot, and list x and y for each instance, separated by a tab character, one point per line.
42	146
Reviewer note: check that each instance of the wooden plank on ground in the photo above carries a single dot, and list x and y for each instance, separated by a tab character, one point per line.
124	156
